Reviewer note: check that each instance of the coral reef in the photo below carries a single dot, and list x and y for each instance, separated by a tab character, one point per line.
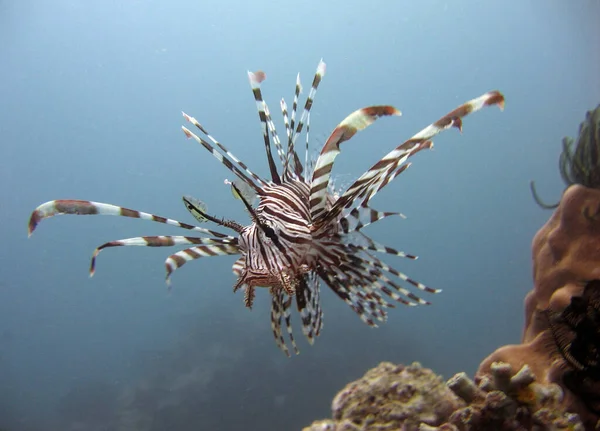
393	397
566	258
579	162
557	385
566	254
505	400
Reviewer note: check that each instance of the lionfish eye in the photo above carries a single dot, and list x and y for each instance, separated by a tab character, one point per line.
270	232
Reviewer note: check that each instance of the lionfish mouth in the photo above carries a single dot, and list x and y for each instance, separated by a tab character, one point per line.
301	233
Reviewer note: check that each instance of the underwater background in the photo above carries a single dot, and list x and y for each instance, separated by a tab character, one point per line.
90	101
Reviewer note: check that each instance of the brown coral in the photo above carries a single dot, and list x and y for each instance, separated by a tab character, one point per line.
391	397
506	400
566	256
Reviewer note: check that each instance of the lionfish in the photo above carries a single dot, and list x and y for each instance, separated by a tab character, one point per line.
301	231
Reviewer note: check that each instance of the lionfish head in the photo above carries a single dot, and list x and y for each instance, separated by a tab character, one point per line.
275	247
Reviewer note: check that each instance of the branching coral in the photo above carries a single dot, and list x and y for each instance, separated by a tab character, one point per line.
579	162
504	400
413	398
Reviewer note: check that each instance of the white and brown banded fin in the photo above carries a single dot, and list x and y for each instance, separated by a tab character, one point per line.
238	266
357	277
287	316
361	241
80	207
367	283
266	123
366	313
384	284
286	123
315	305
391	165
365	264
306	166
274	135
177	260
356	285
353	123
374	261
158	241
277	313
292	157
309	306
224	156
363	216
297	92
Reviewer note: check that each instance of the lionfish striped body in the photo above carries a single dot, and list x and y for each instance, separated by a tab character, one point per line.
301	232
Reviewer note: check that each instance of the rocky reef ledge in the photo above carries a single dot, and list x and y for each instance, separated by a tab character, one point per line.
412	398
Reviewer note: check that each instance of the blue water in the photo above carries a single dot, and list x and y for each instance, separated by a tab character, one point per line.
90	101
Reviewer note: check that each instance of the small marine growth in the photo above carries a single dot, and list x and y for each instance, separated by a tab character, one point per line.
579	162
576	333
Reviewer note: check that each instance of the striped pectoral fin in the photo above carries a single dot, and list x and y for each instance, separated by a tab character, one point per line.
80	207
396	292
317	315
362	216
361	306
315	303
359	280
287	315
392	164
156	241
238	266
364	282
359	241
378	176
364	292
76	207
177	260
309	306
373	261
277	312
353	123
